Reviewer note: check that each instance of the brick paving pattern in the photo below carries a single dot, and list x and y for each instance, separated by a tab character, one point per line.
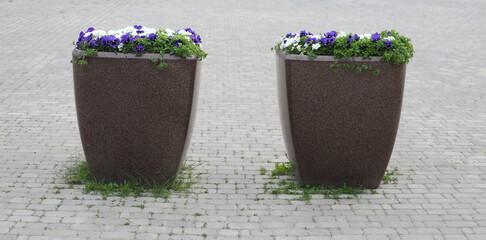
440	148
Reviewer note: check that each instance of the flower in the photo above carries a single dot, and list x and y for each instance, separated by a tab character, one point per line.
311	40
125	38
196	39
305	33
290	35
375	37
139	49
178	43
316	46
190	31
388	44
110	41
331	34
356	37
327	41
138	27
90	29
152	36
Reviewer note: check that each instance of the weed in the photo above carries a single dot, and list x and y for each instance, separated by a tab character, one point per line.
285	168
263	171
79	174
390	176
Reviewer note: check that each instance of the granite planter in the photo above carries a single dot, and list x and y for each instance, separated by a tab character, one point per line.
339	127
135	121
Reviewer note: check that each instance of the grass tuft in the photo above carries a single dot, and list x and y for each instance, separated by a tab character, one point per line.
79	174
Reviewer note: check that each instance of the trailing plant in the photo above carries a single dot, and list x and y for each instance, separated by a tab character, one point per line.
389	45
140	40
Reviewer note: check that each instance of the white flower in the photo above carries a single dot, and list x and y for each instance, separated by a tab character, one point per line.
391	38
299	48
341	34
316	46
289	41
98	33
367	35
169	32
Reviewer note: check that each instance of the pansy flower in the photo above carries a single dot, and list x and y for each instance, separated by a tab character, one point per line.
178	43
138	49
375	37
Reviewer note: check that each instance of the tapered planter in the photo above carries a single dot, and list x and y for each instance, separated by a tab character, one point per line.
135	121
339	127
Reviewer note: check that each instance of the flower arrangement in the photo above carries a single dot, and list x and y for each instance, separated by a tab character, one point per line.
140	40
389	45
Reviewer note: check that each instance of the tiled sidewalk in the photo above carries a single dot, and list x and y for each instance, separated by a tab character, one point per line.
440	148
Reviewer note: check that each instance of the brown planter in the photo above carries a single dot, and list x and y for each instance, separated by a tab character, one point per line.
135	121
339	127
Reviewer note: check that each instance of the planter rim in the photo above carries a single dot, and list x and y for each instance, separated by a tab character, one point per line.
132	55
329	58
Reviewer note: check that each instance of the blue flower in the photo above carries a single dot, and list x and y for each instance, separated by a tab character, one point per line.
90	29
178	43
327	41
331	34
350	39
290	35
388	33
93	43
125	38
110	41
152	36
375	37
356	37
138	27
196	39
139	49
388	44
190	31
304	33
311	40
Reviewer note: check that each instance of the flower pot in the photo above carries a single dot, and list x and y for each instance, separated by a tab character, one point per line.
135	121
339	126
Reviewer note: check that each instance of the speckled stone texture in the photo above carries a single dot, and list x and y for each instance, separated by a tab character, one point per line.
339	127
135	121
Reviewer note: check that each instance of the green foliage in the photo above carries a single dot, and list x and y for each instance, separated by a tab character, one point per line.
285	168
263	171
288	185
79	174
401	51
390	176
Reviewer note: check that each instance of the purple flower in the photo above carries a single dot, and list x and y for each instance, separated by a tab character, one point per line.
304	33
93	43
356	37
388	33
140	31
388	44
152	36
139	49
138	27
190	31
196	39
350	39
178	43
289	35
110	41
125	38
331	34
134	38
327	41
311	40
375	37
90	29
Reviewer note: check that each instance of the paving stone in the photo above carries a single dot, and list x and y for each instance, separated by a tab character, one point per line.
439	150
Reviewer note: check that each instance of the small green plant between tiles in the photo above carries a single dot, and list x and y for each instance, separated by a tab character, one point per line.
78	174
286	184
